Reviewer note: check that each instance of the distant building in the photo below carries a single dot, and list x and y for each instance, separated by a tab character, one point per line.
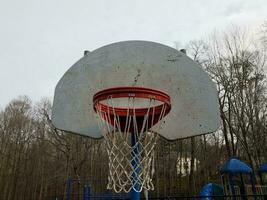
184	165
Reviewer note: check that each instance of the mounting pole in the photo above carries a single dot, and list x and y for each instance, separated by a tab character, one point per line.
135	163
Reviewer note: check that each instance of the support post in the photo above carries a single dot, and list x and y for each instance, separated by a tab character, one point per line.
86	192
135	163
232	186
253	185
243	187
225	191
69	188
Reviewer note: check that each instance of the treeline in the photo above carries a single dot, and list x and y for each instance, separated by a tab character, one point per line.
36	159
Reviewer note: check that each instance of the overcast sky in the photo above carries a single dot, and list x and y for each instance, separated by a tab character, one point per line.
41	39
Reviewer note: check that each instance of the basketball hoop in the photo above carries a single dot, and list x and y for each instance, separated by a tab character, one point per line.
130	118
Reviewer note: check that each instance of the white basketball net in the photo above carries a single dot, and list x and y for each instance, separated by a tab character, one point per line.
130	166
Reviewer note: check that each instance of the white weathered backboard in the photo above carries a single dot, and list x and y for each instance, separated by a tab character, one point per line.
193	95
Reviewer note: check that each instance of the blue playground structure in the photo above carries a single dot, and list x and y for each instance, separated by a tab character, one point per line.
211	189
233	174
88	193
237	183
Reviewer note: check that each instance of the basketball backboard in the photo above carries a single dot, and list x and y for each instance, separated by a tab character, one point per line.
193	95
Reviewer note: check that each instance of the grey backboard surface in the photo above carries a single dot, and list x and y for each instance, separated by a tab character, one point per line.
194	100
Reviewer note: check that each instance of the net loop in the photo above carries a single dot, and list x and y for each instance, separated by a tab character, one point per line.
130	118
